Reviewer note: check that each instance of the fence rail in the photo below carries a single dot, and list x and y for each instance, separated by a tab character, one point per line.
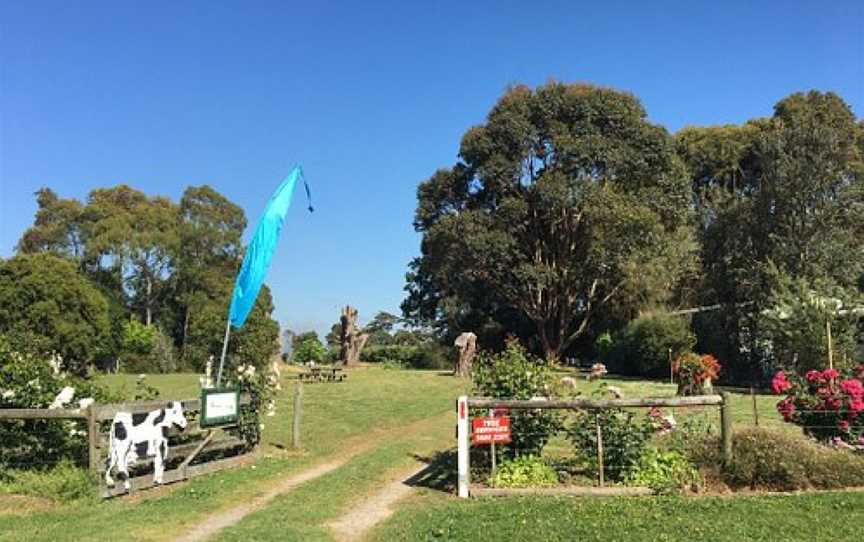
594	404
463	430
42	414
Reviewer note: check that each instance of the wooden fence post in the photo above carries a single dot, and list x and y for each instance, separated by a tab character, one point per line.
726	427
298	415
755	406
93	439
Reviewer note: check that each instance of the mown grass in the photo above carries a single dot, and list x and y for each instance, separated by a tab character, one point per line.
367	410
173	386
335	416
830	517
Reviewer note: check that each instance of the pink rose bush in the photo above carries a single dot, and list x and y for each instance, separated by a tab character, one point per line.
828	405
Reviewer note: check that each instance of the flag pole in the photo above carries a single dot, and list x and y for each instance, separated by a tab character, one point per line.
224	351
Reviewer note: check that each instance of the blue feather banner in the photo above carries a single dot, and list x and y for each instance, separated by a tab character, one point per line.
259	253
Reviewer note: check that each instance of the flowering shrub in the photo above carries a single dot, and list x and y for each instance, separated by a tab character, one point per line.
32	380
694	372
828	405
261	385
664	472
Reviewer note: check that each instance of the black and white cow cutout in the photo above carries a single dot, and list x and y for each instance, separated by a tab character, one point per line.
135	437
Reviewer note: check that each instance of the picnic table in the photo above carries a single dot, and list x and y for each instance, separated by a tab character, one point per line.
323	374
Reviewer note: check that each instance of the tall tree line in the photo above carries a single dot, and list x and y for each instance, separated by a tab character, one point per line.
568	213
166	265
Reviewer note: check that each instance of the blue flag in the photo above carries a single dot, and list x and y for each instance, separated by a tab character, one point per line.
260	250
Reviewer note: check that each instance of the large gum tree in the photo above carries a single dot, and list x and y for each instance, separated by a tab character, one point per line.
565	204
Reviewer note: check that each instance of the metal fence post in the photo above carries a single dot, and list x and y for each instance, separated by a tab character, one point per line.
462	445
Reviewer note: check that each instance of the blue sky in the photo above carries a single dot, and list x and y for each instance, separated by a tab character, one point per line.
371	97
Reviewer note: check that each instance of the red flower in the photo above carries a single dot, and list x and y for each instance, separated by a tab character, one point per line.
830	374
813	376
856	405
786	408
853	387
843	425
779	383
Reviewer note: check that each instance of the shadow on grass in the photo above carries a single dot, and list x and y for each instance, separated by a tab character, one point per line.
439	474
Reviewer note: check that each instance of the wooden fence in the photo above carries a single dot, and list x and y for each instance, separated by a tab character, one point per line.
463	431
191	452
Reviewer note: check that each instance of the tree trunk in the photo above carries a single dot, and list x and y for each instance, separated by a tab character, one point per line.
466	343
185	334
149	301
352	340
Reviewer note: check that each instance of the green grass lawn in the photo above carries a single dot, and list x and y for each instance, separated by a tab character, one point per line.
366	412
832	517
336	417
171	386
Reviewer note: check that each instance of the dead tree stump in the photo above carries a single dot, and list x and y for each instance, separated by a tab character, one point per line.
466	343
351	339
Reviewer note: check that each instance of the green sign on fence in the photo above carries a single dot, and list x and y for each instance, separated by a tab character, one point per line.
219	406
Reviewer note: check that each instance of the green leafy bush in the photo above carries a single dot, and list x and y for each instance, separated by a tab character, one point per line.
310	349
642	347
690	431
146	349
138	338
64	482
773	460
426	355
664	472
45	295
524	471
625	436
515	374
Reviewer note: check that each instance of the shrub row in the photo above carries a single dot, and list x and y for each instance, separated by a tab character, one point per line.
424	356
780	461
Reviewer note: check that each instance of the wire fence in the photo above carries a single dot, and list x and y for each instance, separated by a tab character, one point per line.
562	442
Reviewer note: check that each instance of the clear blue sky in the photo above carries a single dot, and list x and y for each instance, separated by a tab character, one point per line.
370	97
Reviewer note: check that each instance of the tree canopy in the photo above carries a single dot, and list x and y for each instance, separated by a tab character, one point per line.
569	214
44	295
168	265
565	204
787	207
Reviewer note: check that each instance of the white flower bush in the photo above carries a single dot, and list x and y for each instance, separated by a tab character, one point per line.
30	380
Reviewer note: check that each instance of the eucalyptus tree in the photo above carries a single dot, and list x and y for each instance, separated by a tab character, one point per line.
565	204
792	212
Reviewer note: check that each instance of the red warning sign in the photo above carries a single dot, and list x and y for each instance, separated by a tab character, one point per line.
490	430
